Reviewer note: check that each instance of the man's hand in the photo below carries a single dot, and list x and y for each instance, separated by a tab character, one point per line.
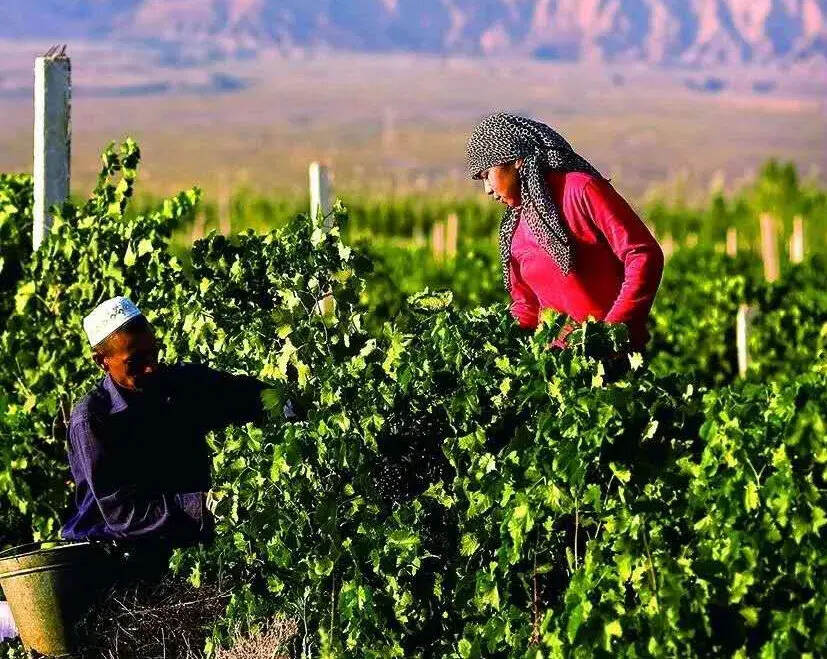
273	400
293	411
210	502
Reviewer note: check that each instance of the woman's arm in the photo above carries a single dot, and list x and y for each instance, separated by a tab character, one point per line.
525	306
633	244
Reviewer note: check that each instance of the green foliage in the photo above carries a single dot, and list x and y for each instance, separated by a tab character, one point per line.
777	189
694	317
474	276
92	253
457	488
15	235
693	320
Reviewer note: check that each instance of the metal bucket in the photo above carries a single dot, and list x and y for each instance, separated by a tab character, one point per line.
50	588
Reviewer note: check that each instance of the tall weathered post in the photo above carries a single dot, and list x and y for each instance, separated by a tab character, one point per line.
668	245
52	136
797	240
224	209
769	247
321	191
321	201
732	241
388	128
438	241
743	325
451	235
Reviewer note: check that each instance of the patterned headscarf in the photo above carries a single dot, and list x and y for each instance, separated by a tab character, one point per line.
502	138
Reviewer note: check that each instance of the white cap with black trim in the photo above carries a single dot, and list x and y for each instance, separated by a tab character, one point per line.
108	317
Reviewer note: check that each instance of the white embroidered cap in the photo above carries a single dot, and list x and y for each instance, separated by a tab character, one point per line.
107	317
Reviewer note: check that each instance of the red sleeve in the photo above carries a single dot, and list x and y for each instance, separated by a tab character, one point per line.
525	306
633	244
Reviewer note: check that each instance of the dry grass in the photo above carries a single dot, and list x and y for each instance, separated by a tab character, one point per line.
271	642
166	620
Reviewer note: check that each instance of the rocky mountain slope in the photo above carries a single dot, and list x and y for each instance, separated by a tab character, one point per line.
691	32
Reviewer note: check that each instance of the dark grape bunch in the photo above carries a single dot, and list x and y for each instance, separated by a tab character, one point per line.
403	474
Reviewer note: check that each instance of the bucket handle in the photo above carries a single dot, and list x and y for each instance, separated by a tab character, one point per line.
31	546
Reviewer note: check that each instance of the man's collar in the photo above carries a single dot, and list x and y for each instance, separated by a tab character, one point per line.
119	403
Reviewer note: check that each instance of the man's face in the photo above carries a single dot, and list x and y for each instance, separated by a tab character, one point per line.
131	358
503	182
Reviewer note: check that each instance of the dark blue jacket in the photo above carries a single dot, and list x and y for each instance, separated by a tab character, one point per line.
140	460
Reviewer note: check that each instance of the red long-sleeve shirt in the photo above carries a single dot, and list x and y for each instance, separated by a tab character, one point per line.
618	263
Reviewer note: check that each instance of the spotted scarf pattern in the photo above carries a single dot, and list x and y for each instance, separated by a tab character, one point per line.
502	138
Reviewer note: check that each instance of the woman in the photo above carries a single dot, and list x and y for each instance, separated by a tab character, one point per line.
568	240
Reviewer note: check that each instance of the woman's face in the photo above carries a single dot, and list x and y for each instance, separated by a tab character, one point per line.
503	182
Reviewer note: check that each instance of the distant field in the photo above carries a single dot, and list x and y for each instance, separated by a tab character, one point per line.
400	122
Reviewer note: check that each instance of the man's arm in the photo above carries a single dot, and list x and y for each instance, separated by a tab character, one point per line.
235	399
128	513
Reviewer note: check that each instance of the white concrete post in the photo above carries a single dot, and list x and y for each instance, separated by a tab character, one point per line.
668	245
388	128
198	225
321	191
224	221
797	240
52	136
438	241
769	247
732	241
451	235
321	201
418	236
743	323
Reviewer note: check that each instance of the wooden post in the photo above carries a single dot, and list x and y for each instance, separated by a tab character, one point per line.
732	241
321	192
668	245
198	224
743	325
388	128
769	247
224	221
418	235
797	240
451	235
438	241
52	136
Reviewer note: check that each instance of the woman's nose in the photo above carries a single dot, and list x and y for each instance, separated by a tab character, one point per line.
487	186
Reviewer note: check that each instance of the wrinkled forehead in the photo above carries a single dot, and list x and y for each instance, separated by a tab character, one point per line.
133	340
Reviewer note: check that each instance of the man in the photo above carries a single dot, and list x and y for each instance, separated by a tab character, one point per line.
137	447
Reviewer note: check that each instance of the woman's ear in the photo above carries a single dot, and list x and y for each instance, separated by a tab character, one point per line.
518	163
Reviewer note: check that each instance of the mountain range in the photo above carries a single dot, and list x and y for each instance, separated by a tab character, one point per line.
677	32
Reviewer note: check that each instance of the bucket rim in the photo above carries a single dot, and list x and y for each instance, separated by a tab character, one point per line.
30	548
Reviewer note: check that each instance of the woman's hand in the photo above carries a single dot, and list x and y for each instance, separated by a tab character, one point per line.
560	342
